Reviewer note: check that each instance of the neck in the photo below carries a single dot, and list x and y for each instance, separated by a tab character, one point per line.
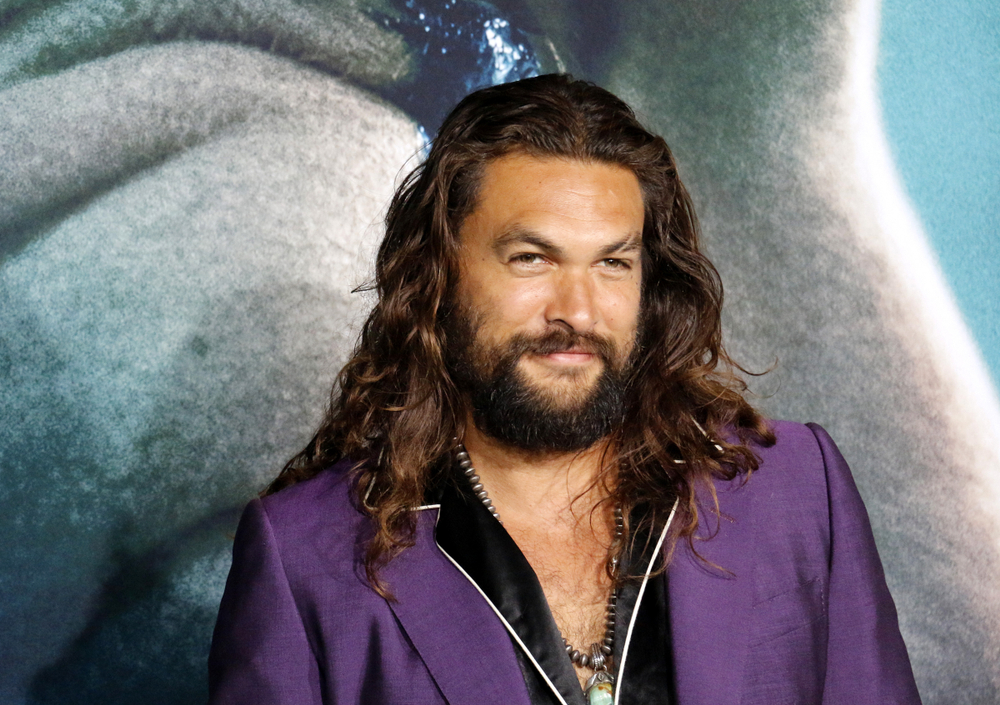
546	502
548	487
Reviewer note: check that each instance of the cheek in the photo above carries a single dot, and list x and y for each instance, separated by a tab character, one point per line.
623	310
515	303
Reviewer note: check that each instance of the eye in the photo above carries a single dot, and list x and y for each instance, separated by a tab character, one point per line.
527	258
613	263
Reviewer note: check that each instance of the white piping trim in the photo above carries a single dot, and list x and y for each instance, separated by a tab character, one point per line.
638	601
505	623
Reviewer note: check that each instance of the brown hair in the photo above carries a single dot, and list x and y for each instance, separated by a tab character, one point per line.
397	409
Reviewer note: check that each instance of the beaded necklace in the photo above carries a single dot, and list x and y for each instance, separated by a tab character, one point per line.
599	689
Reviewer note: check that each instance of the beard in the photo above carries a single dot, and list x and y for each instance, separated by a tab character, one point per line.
506	406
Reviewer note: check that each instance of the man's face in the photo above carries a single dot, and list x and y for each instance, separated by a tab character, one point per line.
547	303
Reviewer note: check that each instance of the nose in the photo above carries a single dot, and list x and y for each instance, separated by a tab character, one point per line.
572	302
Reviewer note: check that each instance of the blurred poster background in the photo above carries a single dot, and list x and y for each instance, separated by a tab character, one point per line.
190	189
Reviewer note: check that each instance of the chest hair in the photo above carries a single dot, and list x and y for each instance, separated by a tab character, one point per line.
571	567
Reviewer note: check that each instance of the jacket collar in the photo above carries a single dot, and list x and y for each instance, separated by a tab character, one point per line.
436	604
475	542
425	628
463	645
643	634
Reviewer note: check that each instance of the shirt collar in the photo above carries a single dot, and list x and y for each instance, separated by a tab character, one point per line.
486	554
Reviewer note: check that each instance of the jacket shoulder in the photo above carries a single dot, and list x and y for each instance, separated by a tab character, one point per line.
321	510
796	448
791	473
782	512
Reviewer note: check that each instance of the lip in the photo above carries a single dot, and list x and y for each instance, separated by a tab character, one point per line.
569	357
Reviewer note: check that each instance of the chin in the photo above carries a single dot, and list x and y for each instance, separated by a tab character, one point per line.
564	398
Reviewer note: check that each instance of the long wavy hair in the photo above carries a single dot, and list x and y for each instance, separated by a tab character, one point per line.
396	408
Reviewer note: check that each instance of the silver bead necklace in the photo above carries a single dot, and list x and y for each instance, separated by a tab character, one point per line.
600	684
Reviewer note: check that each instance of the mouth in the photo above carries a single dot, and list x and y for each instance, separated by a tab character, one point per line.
576	355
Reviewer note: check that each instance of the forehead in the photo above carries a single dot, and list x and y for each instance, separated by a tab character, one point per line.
524	190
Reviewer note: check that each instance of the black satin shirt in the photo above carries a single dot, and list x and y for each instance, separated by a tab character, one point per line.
480	546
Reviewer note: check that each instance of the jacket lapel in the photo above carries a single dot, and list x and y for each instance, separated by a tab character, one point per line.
709	607
470	655
462	642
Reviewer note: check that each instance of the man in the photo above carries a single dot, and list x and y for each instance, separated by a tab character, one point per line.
539	481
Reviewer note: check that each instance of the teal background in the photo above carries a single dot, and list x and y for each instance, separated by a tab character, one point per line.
939	81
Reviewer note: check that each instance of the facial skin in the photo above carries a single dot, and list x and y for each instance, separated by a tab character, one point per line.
549	291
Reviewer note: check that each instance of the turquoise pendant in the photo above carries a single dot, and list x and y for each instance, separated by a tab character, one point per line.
600	689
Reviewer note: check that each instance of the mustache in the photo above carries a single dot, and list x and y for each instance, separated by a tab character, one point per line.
561	340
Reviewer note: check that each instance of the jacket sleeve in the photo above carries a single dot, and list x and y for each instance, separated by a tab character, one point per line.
260	652
866	657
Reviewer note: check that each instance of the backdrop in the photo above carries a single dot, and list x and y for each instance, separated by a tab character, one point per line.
190	189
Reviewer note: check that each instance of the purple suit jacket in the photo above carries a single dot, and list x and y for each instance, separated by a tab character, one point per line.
803	614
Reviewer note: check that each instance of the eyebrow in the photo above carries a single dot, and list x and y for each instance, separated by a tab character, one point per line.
526	236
